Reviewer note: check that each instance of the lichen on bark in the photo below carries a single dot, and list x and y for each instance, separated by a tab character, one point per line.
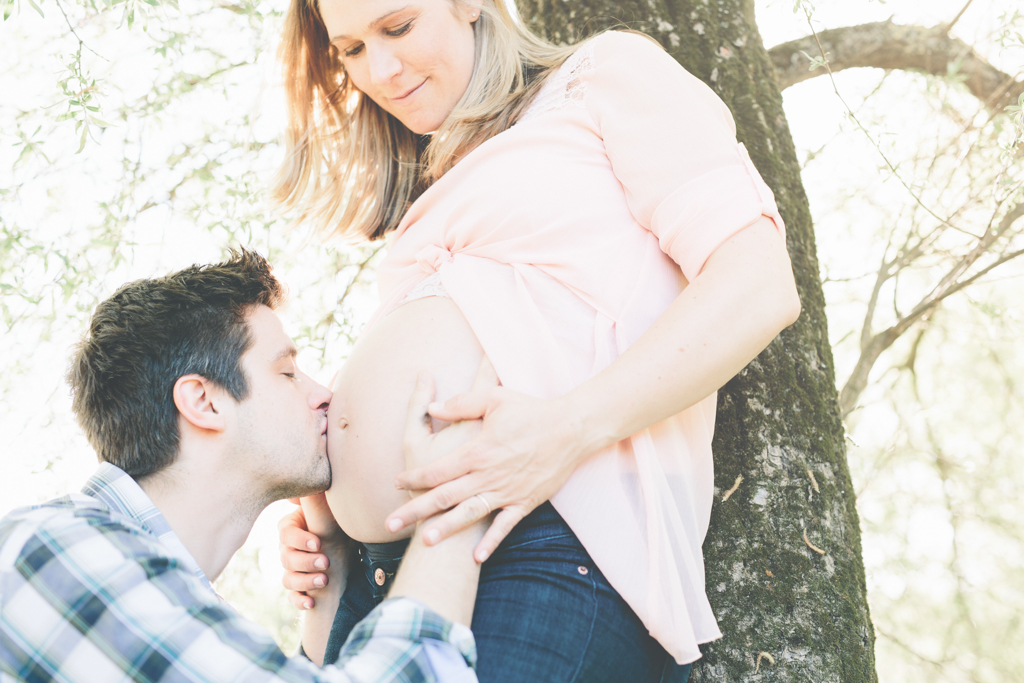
778	420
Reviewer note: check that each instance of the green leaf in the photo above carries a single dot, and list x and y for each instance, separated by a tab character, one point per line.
815	62
99	122
65	116
131	17
85	132
36	8
26	150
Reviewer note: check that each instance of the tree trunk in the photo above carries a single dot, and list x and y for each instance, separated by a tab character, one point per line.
783	555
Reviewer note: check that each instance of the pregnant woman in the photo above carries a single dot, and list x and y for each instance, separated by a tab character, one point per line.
585	217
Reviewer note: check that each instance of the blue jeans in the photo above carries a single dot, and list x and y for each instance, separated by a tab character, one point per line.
544	612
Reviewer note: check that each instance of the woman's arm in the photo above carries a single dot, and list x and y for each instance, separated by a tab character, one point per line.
739	303
316	575
742	298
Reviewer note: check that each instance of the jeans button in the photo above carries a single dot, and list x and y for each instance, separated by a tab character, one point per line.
582	570
378	576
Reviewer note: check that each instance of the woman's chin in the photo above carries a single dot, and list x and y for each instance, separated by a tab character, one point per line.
424	121
419	128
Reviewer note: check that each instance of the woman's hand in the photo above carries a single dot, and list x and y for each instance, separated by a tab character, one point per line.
312	527
527	447
526	450
306	568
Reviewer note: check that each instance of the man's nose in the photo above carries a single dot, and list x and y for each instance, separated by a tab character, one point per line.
384	64
319	395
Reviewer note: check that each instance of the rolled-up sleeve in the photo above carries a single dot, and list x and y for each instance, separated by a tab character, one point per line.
672	145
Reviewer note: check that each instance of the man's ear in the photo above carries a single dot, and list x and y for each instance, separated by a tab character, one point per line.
196	399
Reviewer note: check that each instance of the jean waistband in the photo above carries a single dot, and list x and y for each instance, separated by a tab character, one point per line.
380	561
544	523
381	552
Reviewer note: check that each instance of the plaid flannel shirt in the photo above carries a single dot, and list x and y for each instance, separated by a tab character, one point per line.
96	587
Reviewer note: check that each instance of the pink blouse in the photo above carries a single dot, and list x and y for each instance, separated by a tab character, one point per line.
562	240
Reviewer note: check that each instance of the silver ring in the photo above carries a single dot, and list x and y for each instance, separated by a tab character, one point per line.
484	501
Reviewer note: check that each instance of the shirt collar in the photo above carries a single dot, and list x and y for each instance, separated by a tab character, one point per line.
118	491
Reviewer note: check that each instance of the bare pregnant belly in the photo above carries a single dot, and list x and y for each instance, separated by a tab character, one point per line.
366	419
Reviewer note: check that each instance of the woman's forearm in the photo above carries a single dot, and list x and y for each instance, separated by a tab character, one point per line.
743	298
317	622
444	576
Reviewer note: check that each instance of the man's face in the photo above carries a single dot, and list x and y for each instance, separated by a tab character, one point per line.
282	426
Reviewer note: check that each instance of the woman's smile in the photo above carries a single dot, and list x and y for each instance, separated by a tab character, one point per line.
406	98
390	53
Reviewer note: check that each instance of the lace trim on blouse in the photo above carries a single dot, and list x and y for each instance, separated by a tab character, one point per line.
565	87
429	286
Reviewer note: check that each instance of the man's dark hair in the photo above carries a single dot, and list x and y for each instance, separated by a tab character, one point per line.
150	333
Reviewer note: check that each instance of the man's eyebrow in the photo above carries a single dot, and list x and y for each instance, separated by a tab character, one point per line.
287	352
376	22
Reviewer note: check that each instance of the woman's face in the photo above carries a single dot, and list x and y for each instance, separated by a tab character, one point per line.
414	58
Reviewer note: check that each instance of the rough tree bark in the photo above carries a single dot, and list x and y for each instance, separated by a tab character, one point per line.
784	569
886	45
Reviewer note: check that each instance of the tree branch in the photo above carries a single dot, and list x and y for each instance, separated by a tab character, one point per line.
949	285
948	27
81	43
885	45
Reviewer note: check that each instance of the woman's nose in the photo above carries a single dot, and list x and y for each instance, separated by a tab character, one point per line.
384	65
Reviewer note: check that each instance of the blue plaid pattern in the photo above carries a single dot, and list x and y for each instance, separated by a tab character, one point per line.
96	587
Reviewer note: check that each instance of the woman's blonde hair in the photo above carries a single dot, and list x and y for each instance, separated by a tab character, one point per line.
351	168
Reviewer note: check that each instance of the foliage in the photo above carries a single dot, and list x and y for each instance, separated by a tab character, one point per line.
183	164
137	139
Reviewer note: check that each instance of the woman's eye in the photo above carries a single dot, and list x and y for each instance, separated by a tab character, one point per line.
353	51
401	30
